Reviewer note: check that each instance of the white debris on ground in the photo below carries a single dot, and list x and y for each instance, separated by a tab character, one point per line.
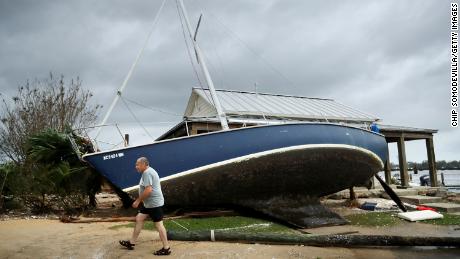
420	215
384	204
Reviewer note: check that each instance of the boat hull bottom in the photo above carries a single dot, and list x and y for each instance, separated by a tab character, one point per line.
311	171
291	194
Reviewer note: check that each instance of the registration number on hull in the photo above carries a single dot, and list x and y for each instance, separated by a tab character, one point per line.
112	156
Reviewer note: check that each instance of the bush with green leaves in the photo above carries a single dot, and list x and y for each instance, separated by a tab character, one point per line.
52	178
41	171
59	172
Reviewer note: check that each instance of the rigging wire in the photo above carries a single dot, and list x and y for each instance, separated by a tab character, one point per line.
152	108
119	131
137	120
153	122
219	68
188	47
108	143
232	33
128	76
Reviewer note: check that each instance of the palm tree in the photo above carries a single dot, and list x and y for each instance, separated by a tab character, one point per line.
53	151
58	165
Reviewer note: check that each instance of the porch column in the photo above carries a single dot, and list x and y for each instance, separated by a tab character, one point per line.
387	170
431	162
402	162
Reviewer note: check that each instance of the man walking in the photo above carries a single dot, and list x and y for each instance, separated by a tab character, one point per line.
150	203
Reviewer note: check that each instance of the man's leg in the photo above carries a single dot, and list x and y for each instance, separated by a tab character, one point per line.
140	218
163	236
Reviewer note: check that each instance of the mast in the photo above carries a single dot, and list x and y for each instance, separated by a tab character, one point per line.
220	112
130	72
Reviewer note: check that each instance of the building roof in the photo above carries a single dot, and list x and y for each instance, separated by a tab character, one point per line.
402	129
274	106
249	108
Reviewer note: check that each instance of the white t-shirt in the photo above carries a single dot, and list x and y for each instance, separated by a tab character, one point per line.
150	178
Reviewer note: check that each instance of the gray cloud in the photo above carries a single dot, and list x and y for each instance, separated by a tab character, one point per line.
388	58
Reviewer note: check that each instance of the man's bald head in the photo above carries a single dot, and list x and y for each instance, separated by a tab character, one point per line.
143	160
142	164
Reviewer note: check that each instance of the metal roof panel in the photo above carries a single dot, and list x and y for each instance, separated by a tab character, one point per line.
274	105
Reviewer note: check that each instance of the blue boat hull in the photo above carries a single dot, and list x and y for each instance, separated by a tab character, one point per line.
199	153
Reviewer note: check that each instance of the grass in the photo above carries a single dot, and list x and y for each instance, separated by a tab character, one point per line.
374	219
230	223
383	219
253	225
449	219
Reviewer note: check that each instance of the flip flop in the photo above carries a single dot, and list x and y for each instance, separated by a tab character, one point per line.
127	244
163	251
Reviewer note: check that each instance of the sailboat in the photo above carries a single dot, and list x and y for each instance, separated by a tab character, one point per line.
279	170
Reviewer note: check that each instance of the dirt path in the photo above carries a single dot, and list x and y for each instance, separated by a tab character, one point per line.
53	239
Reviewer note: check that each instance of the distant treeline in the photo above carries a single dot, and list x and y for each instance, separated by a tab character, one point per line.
440	165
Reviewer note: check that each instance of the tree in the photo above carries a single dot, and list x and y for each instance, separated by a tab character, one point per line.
453	164
51	103
63	172
44	171
59	171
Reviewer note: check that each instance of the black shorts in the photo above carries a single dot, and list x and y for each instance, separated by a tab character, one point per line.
155	213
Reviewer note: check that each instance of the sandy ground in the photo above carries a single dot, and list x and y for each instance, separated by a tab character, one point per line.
40	238
44	238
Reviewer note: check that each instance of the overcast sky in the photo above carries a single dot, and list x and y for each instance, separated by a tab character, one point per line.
387	58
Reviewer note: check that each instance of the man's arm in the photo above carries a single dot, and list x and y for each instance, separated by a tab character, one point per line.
145	194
